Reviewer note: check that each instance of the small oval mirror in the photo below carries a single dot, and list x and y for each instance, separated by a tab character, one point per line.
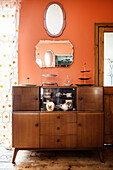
49	58
54	19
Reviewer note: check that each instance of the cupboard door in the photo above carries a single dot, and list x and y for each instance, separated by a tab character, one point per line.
111	115
108	110
25	98
107	114
90	129
25	130
90	99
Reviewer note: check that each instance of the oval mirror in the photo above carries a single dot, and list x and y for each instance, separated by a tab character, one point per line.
54	19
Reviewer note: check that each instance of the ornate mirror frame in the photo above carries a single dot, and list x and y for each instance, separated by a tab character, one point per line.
57	53
63	17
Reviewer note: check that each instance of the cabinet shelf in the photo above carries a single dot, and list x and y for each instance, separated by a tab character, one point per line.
59	96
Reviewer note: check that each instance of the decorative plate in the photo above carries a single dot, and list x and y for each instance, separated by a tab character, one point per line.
85	78
49	84
84	84
28	85
84	71
68	84
49	75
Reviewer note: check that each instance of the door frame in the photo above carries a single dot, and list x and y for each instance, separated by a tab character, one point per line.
98	70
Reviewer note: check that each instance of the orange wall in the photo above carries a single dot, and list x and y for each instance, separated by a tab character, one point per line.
80	18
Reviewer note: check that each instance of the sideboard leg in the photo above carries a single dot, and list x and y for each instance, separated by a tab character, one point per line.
14	155
101	156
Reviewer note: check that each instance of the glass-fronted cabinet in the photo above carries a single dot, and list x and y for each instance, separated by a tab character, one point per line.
57	98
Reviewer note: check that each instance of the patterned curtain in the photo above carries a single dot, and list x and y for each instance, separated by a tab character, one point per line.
9	24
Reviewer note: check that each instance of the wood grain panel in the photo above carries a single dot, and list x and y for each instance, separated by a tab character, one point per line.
59	117
111	114
96	62
90	98
101	56
25	98
58	129
108	110
107	114
61	141
108	90
108	139
25	130
90	129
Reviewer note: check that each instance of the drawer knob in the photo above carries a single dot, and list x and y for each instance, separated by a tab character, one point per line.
36	124
58	128
80	98
58	140
58	117
36	98
79	124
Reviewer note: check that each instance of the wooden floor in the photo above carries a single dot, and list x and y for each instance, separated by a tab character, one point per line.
62	160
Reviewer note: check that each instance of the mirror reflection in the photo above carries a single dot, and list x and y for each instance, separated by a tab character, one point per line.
49	58
108	59
54	53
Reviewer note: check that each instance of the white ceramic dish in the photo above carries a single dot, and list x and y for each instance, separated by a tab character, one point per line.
68	84
49	75
27	84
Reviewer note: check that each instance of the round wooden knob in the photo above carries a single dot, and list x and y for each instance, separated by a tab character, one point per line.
79	124
58	117
36	124
80	98
58	128
58	140
36	98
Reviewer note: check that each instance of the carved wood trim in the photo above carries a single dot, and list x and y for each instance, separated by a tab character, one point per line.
98	72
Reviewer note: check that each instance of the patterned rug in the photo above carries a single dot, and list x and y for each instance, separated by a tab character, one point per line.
61	160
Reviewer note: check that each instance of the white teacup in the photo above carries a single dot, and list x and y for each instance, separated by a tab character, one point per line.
69	103
69	94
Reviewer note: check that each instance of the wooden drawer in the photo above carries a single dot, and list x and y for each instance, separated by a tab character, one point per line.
90	99
61	117
63	141
58	129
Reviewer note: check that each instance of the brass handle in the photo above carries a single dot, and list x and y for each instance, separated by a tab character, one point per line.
79	124
58	140
58	117
36	124
58	128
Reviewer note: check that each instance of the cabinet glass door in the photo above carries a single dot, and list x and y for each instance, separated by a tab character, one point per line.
63	98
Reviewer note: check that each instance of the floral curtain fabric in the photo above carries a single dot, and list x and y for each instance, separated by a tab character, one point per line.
9	24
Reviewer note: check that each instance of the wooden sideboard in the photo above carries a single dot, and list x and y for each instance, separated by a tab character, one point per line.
33	128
